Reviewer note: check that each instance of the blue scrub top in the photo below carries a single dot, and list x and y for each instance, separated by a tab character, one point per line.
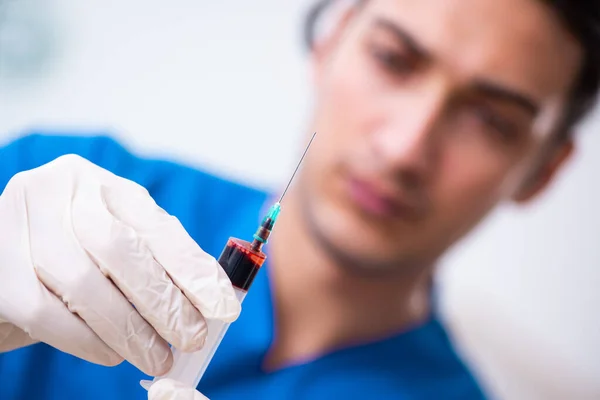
418	364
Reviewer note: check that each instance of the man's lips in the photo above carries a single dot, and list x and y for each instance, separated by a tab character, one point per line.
377	201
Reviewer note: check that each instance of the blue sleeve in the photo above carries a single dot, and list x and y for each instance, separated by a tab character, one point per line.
34	150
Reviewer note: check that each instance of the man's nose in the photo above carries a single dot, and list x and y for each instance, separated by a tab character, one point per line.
407	142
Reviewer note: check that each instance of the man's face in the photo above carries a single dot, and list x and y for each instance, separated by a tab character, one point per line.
428	114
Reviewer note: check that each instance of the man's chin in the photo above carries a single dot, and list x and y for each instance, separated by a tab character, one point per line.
350	254
348	242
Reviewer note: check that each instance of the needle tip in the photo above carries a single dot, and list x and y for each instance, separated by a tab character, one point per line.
297	166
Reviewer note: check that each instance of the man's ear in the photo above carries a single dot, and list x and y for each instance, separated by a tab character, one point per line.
545	173
324	46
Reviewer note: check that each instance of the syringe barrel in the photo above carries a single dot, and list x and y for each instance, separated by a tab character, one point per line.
188	368
241	263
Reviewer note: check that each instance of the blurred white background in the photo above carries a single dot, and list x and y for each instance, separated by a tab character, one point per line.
210	83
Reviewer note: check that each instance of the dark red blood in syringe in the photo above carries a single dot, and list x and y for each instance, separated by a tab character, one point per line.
241	262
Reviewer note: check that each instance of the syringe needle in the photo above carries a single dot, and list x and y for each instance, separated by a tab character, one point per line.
297	166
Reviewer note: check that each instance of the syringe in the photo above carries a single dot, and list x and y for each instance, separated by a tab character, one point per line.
241	261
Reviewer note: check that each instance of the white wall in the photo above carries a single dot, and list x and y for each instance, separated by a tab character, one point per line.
167	77
164	75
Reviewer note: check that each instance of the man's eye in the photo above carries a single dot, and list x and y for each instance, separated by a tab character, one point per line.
393	61
497	123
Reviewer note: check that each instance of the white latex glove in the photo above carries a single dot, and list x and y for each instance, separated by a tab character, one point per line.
90	264
168	389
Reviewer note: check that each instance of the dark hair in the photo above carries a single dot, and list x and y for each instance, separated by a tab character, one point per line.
582	19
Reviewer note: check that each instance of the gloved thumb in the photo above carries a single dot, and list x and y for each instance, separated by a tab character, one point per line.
169	389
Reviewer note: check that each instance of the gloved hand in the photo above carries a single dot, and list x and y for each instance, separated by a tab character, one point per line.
168	389
90	264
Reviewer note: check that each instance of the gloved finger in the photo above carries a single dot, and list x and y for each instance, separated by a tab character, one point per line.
65	268
169	389
107	312
120	255
195	272
31	307
47	319
12	337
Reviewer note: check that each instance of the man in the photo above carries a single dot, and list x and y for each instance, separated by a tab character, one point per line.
429	114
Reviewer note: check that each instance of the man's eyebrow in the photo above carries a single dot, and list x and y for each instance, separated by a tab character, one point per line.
487	88
403	36
508	95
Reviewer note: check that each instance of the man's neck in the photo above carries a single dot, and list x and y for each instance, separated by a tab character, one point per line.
320	306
